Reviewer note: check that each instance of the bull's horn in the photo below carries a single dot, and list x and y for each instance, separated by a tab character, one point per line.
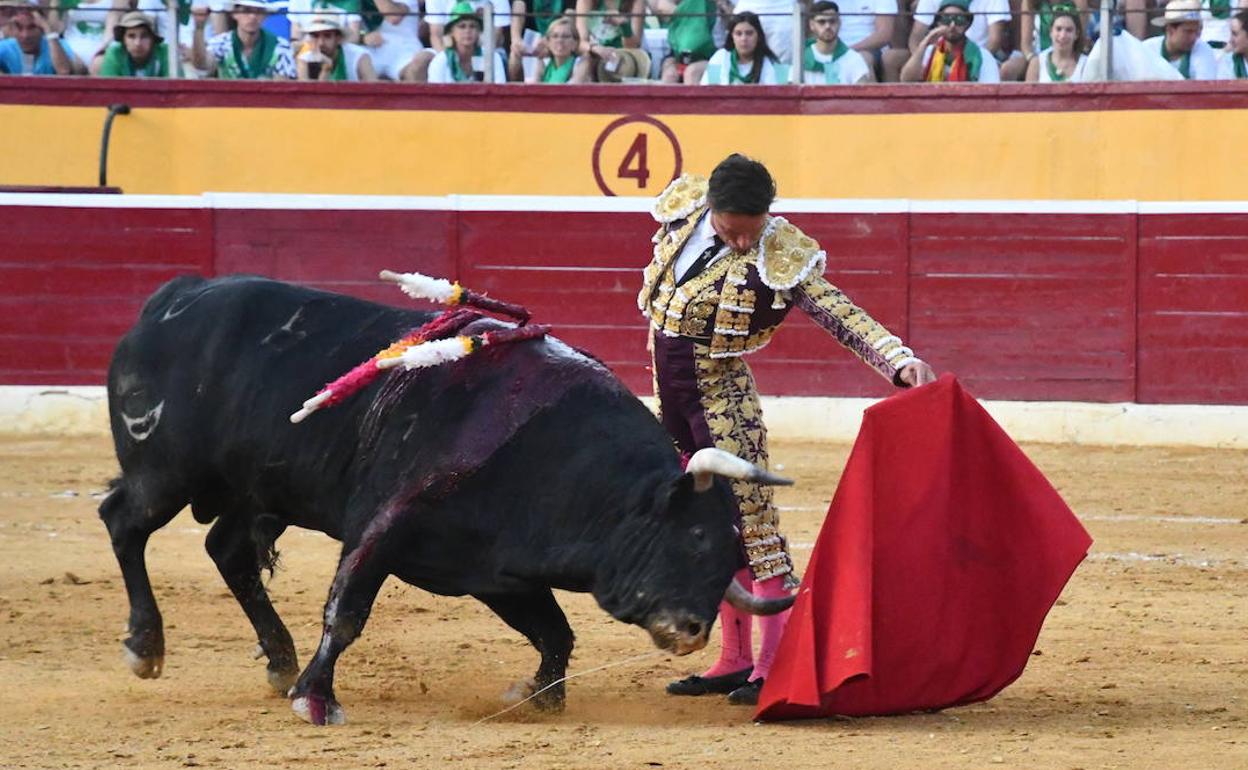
707	462
745	601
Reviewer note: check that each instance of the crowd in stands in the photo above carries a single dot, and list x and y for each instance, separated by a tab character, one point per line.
712	42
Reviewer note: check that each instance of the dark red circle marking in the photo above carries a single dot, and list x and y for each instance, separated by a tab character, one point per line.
624	121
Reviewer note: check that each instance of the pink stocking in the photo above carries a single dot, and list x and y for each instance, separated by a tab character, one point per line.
736	631
772	625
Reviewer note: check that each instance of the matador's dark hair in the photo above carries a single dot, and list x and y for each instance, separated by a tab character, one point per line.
741	185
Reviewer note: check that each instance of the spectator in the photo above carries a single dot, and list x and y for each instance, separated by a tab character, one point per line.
947	54
1036	23
1063	59
990	22
392	37
30	48
867	27
1234	63
745	58
1181	44
610	32
347	13
87	26
247	53
530	19
8	9
461	63
1216	18
184	32
137	51
438	14
690	38
776	17
828	60
561	64
325	54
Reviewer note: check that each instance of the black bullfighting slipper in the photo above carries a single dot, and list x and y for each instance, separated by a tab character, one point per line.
746	694
706	685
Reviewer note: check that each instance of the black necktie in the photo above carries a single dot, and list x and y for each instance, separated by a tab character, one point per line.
702	261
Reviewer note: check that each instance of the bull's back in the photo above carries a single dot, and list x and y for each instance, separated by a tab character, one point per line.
201	388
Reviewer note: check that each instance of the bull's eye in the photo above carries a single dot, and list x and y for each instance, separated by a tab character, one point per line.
698	533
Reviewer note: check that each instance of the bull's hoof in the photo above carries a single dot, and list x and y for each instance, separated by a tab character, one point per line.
544	700
144	667
318	710
281	680
519	691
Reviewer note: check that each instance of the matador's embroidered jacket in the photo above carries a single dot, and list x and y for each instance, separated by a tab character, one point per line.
736	304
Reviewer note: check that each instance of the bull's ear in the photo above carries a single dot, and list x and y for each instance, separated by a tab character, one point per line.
680	492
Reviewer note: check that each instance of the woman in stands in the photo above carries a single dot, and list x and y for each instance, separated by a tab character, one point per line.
1064	59
561	65
745	58
610	32
1036	21
1234	62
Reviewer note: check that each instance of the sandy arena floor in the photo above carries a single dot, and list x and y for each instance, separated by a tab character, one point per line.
1143	663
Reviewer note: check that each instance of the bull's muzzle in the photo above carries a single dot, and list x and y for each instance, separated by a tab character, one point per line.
679	634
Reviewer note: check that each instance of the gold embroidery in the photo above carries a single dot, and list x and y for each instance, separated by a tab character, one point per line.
787	256
681	198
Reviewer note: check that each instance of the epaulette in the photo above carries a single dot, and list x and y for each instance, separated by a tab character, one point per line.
787	256
685	195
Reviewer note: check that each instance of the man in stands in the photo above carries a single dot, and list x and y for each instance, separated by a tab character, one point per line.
326	56
31	49
989	31
392	36
137	51
1181	45
867	27
946	54
828	60
247	53
461	63
440	15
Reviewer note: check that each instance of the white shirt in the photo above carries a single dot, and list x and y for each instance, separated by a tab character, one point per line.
777	20
1226	66
1204	65
848	70
1076	76
858	18
699	240
986	12
186	32
716	73
989	72
440	67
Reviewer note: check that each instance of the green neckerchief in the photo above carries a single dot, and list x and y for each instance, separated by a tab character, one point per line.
734	72
1185	64
558	73
544	12
974	60
156	67
1241	66
340	65
689	30
811	64
1054	74
256	65
457	72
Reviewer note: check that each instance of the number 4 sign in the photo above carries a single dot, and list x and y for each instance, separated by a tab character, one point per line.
636	155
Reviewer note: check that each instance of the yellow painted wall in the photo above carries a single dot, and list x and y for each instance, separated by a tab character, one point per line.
1140	154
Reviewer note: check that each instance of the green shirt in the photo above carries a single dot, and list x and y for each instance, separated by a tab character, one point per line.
689	31
118	64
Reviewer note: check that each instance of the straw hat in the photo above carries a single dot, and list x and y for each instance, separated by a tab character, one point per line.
134	19
1178	12
326	23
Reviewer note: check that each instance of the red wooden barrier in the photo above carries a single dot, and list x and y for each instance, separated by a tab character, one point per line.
1037	306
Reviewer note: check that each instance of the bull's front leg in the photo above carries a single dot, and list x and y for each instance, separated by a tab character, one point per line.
538	616
351	597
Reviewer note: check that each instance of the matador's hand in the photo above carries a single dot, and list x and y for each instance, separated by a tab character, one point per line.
916	374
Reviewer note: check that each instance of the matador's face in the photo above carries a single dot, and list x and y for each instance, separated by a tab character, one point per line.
741	232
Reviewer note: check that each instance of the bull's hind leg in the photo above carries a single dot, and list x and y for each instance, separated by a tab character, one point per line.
351	597
232	544
131	519
538	616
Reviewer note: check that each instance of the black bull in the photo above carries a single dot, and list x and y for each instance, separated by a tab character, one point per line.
522	468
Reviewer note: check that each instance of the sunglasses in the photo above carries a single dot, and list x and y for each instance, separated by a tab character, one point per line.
954	19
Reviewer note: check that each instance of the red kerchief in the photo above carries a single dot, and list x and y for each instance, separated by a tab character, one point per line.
943	550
